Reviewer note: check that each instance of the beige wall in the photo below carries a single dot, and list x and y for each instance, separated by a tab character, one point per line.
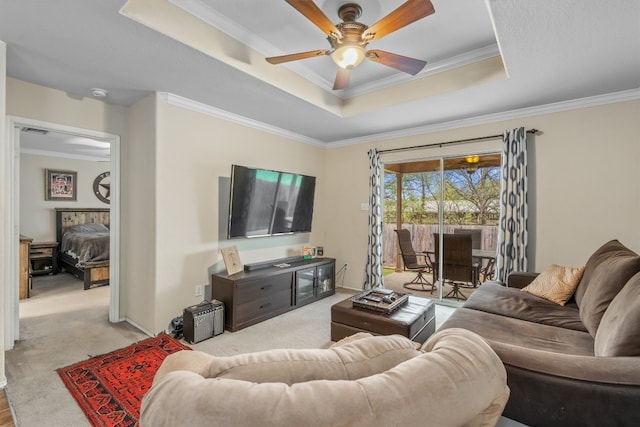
138	225
193	155
176	164
37	215
37	102
583	188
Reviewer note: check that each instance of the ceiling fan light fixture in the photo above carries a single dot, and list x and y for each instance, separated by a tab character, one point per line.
349	38
472	164
348	56
472	159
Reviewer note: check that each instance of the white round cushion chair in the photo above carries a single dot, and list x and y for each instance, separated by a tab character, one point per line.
454	379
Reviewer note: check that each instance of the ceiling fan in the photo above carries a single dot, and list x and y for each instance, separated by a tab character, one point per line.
349	38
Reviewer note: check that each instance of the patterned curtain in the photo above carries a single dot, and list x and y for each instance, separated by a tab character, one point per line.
512	232
373	269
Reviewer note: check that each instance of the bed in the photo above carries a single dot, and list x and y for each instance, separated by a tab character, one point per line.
83	236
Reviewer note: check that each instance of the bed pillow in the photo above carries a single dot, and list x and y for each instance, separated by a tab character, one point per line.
87	228
556	284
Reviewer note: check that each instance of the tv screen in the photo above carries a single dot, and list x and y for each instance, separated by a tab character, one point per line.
266	202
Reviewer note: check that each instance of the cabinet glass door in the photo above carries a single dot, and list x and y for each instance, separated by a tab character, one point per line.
325	279
305	285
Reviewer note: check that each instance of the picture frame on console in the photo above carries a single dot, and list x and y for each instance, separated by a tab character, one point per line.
231	260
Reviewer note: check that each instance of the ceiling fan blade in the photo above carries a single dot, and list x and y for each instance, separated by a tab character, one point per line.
342	79
296	56
313	13
408	12
403	63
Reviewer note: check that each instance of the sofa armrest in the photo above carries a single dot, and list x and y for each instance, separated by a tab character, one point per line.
520	279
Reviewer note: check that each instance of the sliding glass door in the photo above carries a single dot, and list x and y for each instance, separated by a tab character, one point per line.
450	205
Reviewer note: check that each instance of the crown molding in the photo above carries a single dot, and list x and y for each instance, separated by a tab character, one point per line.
593	101
189	104
610	98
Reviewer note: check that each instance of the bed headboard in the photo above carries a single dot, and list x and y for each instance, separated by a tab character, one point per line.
66	217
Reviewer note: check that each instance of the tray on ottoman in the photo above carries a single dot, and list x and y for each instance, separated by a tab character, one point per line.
382	300
415	320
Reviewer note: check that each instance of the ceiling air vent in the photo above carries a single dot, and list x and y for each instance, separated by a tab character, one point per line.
35	130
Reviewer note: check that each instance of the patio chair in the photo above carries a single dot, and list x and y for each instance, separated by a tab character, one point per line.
458	268
476	243
476	236
418	262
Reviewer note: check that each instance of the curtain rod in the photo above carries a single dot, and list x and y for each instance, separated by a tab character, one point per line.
458	141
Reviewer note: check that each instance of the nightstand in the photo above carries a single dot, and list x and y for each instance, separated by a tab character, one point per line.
44	258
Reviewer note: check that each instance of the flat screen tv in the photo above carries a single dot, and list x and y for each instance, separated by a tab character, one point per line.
267	203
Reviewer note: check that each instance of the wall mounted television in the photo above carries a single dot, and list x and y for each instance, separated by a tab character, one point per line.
267	203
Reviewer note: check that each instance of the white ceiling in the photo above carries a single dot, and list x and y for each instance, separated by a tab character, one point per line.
552	51
275	28
57	144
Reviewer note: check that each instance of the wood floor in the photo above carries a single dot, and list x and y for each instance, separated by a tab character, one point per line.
6	418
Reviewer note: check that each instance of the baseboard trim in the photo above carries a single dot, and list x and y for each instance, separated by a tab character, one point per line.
137	326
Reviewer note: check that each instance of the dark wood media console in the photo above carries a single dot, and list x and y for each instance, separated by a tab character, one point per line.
252	296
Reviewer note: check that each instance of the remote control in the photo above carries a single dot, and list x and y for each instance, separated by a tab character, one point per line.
373	299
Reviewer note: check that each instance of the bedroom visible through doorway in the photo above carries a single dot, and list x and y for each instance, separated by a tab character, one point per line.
90	155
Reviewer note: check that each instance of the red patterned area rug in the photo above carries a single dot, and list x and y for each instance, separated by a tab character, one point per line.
109	388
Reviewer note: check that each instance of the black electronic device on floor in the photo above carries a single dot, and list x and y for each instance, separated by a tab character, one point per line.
203	321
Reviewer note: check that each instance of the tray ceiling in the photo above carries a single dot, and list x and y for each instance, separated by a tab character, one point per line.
485	59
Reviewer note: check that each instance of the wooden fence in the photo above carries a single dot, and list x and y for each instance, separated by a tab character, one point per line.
422	238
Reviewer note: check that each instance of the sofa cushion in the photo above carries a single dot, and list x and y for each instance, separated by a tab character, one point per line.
619	330
546	349
351	360
556	284
455	366
521	333
605	273
492	297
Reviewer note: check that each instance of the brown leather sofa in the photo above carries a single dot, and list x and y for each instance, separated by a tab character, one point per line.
571	365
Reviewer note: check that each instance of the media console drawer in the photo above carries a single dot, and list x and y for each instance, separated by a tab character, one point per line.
262	288
252	296
260	309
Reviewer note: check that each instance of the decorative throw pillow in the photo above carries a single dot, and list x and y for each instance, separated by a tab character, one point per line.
612	260
619	330
556	283
606	272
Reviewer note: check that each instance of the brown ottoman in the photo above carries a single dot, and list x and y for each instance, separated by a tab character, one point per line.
416	320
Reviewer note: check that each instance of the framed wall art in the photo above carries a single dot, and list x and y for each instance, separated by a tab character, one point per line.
60	185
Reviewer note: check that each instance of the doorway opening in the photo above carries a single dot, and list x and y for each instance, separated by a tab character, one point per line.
110	164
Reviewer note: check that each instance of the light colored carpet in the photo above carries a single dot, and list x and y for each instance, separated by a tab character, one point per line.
59	325
62	324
